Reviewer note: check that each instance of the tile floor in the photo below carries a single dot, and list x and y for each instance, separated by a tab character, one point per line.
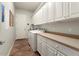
21	48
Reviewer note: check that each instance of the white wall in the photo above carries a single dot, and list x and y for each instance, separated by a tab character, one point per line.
62	27
22	18
7	33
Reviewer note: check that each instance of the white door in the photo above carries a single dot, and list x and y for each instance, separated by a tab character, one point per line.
20	26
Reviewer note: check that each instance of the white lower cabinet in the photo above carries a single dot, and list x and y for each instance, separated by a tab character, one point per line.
51	51
39	45
67	50
48	47
60	54
32	40
43	49
39	48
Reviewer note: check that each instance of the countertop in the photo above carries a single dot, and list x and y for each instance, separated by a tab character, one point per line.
36	31
71	42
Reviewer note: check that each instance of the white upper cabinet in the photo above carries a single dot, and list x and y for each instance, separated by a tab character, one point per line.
74	9
39	14
59	11
51	11
66	9
37	17
56	11
44	13
34	19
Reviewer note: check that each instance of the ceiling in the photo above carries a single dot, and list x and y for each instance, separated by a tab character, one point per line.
30	6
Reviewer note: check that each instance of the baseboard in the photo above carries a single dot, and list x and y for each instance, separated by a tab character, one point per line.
10	49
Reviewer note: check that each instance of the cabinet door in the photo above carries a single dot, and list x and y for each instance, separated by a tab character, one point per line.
58	11
39	48
44	49
60	54
39	44
67	50
51	11
74	9
29	40
66	9
35	19
51	51
40	16
45	13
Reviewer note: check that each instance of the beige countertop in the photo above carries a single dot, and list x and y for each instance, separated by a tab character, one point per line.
35	31
71	42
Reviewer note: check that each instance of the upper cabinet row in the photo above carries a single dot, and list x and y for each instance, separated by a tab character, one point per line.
56	11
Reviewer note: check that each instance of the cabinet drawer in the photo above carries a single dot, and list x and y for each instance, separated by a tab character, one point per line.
42	38
52	43
39	39
62	48
51	51
60	54
67	50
